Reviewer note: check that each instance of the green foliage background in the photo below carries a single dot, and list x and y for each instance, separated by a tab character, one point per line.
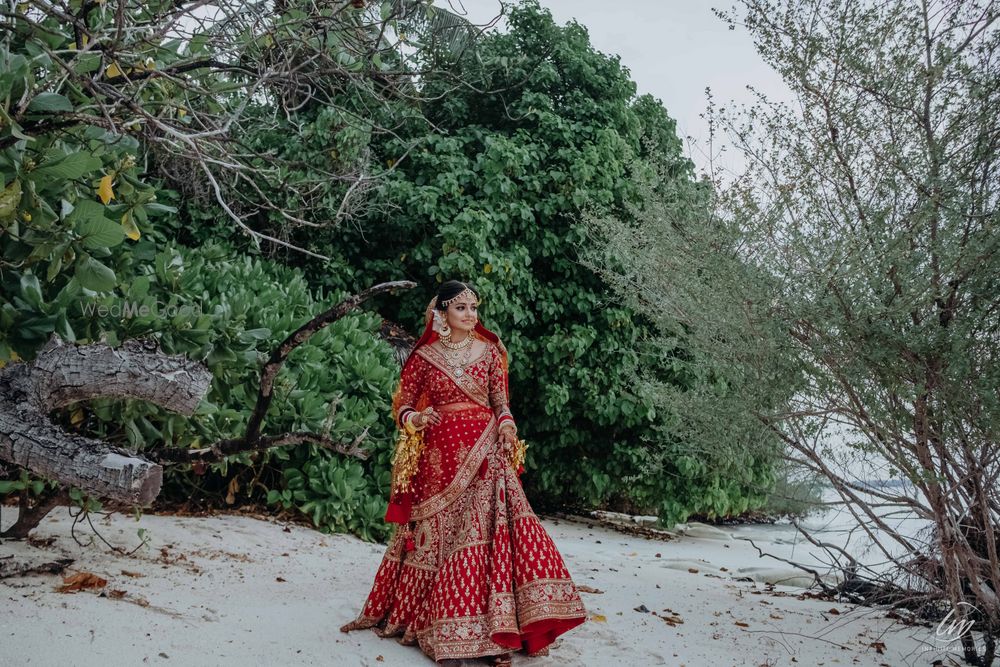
495	194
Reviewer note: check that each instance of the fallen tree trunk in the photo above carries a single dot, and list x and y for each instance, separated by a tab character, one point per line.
62	374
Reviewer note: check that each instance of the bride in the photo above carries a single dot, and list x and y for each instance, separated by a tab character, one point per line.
470	571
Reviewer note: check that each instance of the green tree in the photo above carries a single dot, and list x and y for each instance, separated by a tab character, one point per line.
98	107
856	262
547	130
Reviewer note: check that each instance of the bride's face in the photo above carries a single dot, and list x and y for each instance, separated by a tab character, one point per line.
463	314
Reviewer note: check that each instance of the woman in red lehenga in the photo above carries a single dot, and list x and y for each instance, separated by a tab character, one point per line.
470	571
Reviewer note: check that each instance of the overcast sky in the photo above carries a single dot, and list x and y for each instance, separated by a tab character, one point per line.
674	50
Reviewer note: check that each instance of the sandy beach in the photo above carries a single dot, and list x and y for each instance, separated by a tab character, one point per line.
239	590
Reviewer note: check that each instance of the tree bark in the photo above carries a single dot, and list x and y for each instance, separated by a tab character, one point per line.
64	374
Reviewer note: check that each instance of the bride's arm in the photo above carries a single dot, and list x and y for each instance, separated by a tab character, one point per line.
499	400
410	385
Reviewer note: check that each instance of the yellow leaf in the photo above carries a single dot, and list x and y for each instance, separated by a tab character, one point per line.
104	190
112	70
181	112
487	268
76	417
598	618
131	230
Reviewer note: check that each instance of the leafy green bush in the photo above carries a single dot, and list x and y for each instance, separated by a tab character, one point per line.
229	312
336	494
497	195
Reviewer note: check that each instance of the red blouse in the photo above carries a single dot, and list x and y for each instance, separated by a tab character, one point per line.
484	373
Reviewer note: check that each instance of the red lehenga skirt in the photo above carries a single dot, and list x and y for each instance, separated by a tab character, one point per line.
483	577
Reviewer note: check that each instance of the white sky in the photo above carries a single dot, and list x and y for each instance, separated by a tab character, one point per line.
674	50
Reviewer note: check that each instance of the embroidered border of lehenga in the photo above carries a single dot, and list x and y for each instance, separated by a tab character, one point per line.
483	577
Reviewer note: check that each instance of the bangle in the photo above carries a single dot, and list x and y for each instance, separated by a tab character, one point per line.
409	422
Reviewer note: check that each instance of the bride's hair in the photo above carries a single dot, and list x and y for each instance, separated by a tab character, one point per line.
449	289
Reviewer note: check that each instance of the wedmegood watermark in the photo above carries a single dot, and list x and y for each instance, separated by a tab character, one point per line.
128	309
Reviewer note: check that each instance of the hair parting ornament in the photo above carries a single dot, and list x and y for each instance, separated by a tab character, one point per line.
467	292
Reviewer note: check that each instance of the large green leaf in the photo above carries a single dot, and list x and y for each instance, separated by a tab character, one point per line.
94	275
31	291
72	166
96	230
50	102
86	62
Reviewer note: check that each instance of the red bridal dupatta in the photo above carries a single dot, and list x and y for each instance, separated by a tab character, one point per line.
471	571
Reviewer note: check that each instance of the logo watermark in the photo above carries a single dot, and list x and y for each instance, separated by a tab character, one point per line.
950	631
124	309
951	628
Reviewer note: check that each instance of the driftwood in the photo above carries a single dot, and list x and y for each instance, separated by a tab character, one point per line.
64	374
29	516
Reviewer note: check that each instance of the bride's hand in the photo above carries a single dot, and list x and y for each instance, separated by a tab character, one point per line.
508	439
428	416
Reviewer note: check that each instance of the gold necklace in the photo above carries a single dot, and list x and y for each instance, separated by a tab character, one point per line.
466	342
458	359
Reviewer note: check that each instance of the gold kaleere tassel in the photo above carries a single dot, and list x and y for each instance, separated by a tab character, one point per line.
517	454
409	446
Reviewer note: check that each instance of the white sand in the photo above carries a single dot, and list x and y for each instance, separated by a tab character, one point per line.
237	590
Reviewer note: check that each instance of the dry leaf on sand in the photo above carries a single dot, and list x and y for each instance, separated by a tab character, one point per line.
81	581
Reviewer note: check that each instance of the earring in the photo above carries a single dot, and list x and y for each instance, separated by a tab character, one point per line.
445	330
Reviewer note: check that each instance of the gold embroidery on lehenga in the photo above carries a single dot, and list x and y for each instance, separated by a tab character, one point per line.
483	566
466	470
467	382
